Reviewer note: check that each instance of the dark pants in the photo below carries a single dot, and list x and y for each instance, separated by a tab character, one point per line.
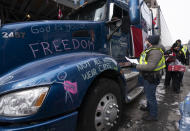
181	76
150	92
176	78
167	78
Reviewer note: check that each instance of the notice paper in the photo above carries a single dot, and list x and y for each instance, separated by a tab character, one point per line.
132	60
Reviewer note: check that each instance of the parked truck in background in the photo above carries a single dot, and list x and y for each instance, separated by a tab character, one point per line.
69	74
161	28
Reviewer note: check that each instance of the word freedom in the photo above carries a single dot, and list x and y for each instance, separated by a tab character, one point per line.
49	48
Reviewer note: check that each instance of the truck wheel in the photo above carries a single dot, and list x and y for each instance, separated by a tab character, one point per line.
101	110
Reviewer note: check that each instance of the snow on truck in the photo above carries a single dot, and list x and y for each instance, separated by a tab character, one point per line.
68	75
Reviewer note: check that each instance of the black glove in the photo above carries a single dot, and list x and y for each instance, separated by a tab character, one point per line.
133	65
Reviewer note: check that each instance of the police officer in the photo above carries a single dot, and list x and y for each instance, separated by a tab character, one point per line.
185	51
176	75
185	60
151	63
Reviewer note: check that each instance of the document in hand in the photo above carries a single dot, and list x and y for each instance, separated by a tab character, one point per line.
132	60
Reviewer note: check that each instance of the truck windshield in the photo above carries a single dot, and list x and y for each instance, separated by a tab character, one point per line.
94	11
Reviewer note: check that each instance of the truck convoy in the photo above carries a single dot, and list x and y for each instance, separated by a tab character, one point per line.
68	75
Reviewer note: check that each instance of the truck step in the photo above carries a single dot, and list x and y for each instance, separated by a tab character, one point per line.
133	94
131	75
132	80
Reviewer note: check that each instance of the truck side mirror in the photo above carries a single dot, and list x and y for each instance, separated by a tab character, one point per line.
118	24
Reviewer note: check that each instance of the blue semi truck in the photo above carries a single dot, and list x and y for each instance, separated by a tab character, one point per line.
67	75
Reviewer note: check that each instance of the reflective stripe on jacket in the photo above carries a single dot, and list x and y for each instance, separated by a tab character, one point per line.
184	49
161	64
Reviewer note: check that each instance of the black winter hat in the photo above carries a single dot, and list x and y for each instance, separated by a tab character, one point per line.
178	41
174	45
153	39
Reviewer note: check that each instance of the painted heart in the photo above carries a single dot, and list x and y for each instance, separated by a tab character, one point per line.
70	87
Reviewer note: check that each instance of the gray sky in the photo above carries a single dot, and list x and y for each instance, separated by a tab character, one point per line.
177	16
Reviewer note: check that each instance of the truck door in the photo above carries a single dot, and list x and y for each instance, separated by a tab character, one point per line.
120	43
119	28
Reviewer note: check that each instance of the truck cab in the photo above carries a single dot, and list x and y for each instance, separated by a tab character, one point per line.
72	74
125	32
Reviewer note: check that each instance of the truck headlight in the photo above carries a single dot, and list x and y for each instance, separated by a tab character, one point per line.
22	103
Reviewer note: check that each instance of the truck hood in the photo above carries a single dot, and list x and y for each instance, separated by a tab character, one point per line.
26	42
45	71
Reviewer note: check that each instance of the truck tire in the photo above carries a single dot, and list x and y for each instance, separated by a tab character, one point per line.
102	107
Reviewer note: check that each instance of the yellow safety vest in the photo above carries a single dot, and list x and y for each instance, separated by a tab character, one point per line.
184	49
161	63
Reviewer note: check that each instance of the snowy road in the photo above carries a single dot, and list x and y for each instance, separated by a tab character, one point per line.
168	109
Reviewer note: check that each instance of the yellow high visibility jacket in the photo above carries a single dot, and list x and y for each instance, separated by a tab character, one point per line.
184	49
161	63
